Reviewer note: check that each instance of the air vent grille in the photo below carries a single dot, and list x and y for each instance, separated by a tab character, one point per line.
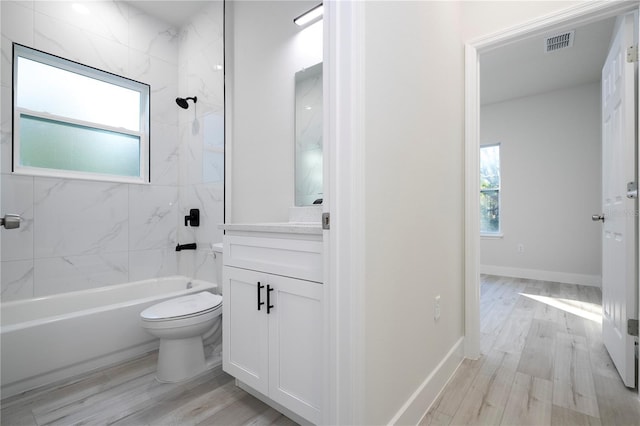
559	41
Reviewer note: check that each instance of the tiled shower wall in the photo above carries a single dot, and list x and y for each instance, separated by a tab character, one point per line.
201	129
82	234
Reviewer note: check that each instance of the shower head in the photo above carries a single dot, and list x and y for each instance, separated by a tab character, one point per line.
182	102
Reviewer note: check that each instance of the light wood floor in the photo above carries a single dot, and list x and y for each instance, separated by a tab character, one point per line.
542	363
128	394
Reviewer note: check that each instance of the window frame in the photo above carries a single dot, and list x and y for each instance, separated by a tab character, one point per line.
144	133
498	233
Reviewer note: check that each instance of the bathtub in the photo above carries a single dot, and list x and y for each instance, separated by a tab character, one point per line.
55	337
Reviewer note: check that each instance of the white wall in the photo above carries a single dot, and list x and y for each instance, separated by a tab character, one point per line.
414	198
83	234
482	18
267	49
413	129
551	183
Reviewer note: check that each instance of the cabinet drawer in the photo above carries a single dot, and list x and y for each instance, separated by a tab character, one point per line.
291	258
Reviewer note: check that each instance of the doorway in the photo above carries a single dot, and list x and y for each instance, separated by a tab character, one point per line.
575	18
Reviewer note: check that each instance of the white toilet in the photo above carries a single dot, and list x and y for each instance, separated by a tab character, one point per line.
180	324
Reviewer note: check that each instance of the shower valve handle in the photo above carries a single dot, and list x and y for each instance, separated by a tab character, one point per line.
193	218
11	221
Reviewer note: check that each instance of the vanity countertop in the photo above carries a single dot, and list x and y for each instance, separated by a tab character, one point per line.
278	227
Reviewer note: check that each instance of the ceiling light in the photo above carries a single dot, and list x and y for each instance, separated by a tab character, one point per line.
309	16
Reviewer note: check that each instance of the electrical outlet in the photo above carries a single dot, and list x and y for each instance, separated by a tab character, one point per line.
520	248
436	308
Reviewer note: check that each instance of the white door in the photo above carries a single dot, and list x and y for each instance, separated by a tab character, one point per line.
619	276
245	334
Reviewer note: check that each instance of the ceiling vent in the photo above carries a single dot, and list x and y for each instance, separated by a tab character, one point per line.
559	41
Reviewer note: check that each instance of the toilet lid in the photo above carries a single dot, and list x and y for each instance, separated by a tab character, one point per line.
182	306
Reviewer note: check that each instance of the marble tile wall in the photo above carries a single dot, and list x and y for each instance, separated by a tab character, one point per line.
83	234
202	138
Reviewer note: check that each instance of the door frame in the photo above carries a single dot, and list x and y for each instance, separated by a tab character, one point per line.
581	14
344	248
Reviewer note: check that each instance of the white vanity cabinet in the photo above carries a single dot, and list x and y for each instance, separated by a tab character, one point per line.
272	318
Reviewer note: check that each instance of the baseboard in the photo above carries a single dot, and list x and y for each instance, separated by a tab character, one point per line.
414	409
534	274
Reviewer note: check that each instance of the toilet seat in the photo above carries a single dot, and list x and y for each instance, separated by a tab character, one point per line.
183	307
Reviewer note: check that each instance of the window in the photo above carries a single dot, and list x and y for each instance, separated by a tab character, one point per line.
490	189
71	120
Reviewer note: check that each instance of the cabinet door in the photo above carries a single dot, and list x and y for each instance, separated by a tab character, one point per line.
295	346
245	338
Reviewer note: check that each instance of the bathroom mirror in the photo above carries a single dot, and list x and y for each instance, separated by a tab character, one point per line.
308	135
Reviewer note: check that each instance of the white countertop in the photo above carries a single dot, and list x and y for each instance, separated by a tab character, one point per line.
278	227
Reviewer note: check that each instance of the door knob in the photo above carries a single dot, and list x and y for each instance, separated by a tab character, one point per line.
597	217
10	221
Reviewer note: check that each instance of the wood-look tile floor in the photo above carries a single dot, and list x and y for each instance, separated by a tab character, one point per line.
128	394
543	362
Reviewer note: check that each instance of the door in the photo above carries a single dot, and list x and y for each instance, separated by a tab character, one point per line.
245	337
295	346
619	276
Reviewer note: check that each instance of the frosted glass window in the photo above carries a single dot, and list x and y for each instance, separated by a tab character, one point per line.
55	145
71	120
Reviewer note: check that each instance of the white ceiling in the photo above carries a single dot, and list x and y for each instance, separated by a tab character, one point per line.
176	13
524	69
512	71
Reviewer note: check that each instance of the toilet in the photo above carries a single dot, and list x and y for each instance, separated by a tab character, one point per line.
180	324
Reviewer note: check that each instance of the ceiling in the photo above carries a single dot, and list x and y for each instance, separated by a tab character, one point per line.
512	71
176	13
524	69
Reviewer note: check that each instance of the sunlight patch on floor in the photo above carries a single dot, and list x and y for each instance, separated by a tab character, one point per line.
586	310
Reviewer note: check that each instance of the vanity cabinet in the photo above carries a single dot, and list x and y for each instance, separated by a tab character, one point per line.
272	319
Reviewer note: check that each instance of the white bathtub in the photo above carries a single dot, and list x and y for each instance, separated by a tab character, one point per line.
50	338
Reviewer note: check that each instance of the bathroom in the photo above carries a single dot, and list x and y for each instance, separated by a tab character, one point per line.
395	125
79	235
83	234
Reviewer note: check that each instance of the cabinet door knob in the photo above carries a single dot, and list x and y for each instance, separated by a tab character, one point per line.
269	305
260	287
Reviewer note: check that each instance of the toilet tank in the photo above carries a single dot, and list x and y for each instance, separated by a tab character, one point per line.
217	252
